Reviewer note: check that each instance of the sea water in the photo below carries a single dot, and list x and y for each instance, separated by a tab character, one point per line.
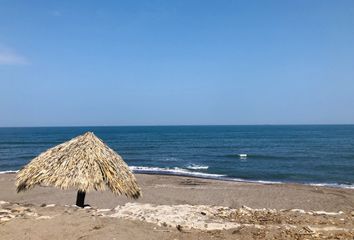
310	154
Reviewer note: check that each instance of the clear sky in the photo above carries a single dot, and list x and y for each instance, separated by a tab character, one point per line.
68	63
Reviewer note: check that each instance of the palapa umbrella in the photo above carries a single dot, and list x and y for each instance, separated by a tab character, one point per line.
84	163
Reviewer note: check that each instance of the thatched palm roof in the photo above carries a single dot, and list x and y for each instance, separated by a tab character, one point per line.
84	163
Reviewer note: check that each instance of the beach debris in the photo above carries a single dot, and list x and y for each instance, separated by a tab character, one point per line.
184	216
327	213
179	227
50	205
85	163
211	218
309	230
3	202
315	212
44	217
296	210
6	218
32	214
97	227
161	230
243	222
104	210
11	211
20	209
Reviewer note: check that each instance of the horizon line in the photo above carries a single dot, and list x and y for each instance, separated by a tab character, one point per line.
185	125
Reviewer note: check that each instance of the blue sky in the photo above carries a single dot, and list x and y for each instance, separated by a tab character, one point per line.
68	63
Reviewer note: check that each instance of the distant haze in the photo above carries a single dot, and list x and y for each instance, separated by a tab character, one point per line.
69	63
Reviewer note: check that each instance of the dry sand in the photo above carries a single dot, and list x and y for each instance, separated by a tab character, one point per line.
180	208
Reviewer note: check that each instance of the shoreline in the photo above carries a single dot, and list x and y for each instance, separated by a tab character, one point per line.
207	176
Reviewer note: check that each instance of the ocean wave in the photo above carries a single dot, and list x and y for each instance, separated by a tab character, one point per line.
254	181
242	156
169	159
197	167
334	185
185	172
174	171
254	156
9	171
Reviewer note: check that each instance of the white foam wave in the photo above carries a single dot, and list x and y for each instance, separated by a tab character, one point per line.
197	167
243	156
348	186
174	171
254	181
186	172
9	171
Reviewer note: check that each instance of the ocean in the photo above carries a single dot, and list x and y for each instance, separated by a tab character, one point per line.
308	154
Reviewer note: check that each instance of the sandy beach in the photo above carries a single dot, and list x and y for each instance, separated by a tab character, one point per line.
174	207
176	120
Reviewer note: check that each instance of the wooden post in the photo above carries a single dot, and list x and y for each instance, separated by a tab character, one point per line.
80	199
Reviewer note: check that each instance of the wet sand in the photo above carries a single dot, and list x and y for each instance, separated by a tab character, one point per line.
162	189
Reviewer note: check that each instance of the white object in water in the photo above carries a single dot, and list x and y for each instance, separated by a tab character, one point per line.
243	156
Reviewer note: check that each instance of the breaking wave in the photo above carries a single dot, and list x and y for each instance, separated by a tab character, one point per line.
174	171
197	167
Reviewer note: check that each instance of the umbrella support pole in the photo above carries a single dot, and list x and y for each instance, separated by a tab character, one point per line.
80	199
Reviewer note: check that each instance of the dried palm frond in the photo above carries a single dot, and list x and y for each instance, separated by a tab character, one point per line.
84	163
